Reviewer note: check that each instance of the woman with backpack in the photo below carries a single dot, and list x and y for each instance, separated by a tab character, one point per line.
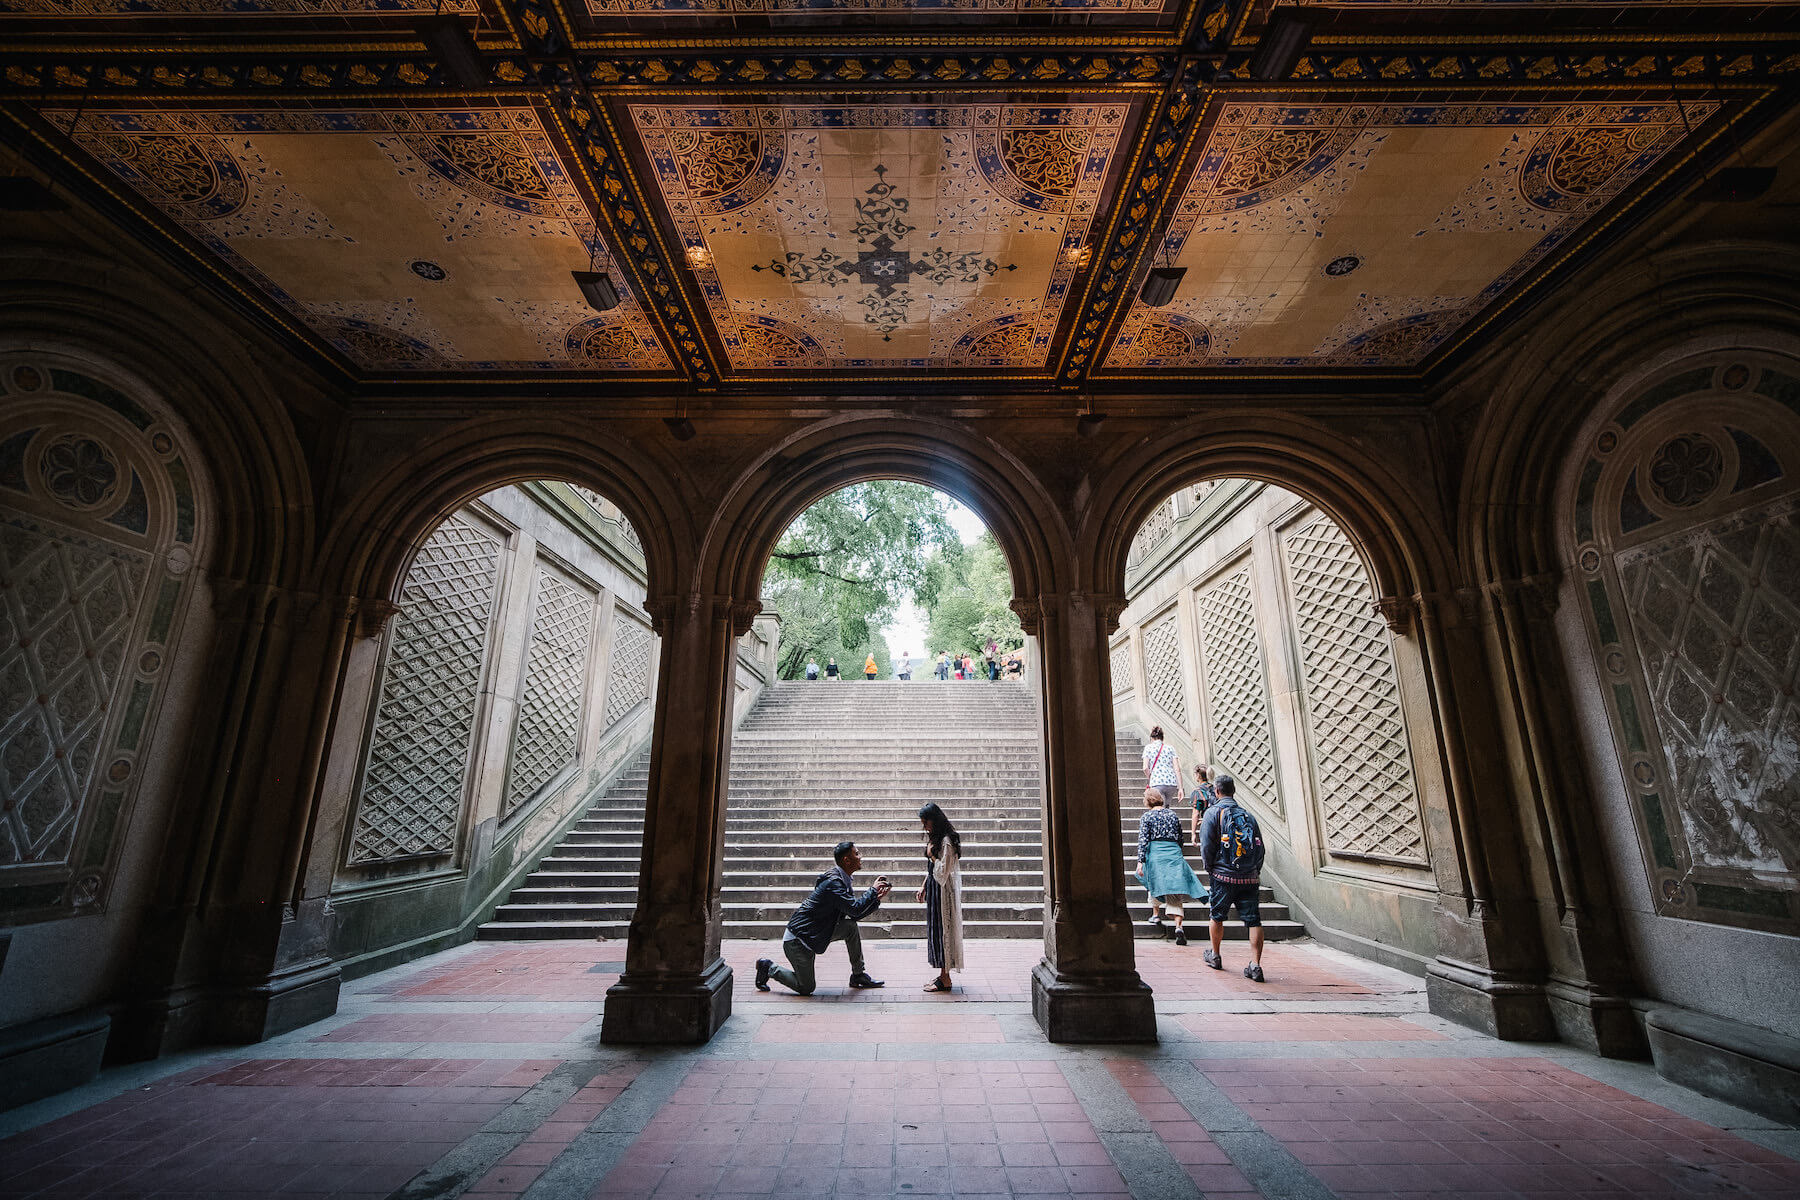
1160	771
1162	867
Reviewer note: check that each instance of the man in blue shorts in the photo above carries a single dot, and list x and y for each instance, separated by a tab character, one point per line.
1231	845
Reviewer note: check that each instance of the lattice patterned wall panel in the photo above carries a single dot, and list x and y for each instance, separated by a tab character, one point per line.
1121	667
1716	613
1162	669
418	755
67	606
1368	801
548	731
628	678
1237	694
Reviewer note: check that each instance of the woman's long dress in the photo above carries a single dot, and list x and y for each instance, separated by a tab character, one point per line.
943	910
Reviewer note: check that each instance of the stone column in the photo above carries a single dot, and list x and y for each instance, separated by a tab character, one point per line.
1086	989
1589	972
676	989
1488	973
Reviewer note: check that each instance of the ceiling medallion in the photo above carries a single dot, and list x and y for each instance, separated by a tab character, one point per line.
884	266
1342	265
426	269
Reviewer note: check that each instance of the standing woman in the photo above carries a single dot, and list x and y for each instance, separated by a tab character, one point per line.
941	893
869	665
1162	866
1160	771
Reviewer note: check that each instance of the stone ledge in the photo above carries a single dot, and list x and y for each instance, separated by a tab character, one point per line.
41	1058
1753	1068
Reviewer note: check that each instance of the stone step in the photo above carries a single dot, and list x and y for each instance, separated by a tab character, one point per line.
617	931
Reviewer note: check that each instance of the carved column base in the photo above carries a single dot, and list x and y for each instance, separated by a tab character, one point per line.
683	1011
1114	1008
1511	1009
276	1003
1595	1019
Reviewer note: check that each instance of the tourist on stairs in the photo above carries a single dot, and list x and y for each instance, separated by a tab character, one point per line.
869	665
1159	767
831	668
941	893
1231	845
831	912
1203	797
1162	868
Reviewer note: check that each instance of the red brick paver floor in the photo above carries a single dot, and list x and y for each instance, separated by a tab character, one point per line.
478	1073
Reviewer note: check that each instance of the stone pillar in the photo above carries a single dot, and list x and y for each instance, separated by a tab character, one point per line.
1086	989
1488	971
676	989
1589	970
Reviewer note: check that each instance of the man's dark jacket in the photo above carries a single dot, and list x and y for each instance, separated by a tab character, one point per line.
815	920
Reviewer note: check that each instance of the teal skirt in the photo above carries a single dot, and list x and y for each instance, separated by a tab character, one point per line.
1166	872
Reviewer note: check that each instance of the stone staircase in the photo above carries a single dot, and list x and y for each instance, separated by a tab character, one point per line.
816	762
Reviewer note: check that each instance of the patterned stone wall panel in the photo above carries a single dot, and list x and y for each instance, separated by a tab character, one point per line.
1121	667
628	676
547	735
1682	539
1366	793
1237	692
414	781
99	524
1162	668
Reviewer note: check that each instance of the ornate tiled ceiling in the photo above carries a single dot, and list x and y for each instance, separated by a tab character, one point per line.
1367	235
407	239
876	236
814	195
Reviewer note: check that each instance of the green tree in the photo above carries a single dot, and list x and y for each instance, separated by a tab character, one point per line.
842	568
971	595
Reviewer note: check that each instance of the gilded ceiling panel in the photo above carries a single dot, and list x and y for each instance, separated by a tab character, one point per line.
1367	235
83	9
614	8
883	235
406	239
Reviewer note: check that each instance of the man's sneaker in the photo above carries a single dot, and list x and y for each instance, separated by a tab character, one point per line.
1181	937
1213	960
763	967
1253	973
861	980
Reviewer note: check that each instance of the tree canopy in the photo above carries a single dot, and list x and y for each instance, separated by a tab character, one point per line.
842	569
970	591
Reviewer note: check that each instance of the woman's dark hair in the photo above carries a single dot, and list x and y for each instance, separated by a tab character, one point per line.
938	827
1156	732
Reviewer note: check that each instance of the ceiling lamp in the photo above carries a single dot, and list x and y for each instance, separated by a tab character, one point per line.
1159	286
680	428
451	43
597	289
1283	38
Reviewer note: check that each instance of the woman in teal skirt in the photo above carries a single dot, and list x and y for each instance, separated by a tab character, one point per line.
1162	867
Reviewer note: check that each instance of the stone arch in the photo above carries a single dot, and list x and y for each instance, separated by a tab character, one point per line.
1400	543
823	458
139	335
1637	317
376	535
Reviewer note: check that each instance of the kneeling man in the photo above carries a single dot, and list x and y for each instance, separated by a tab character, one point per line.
832	911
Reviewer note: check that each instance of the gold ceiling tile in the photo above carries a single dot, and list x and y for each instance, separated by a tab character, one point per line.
1366	235
407	239
883	235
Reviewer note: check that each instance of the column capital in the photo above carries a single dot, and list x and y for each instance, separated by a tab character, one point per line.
1030	613
372	614
1399	612
1538	595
